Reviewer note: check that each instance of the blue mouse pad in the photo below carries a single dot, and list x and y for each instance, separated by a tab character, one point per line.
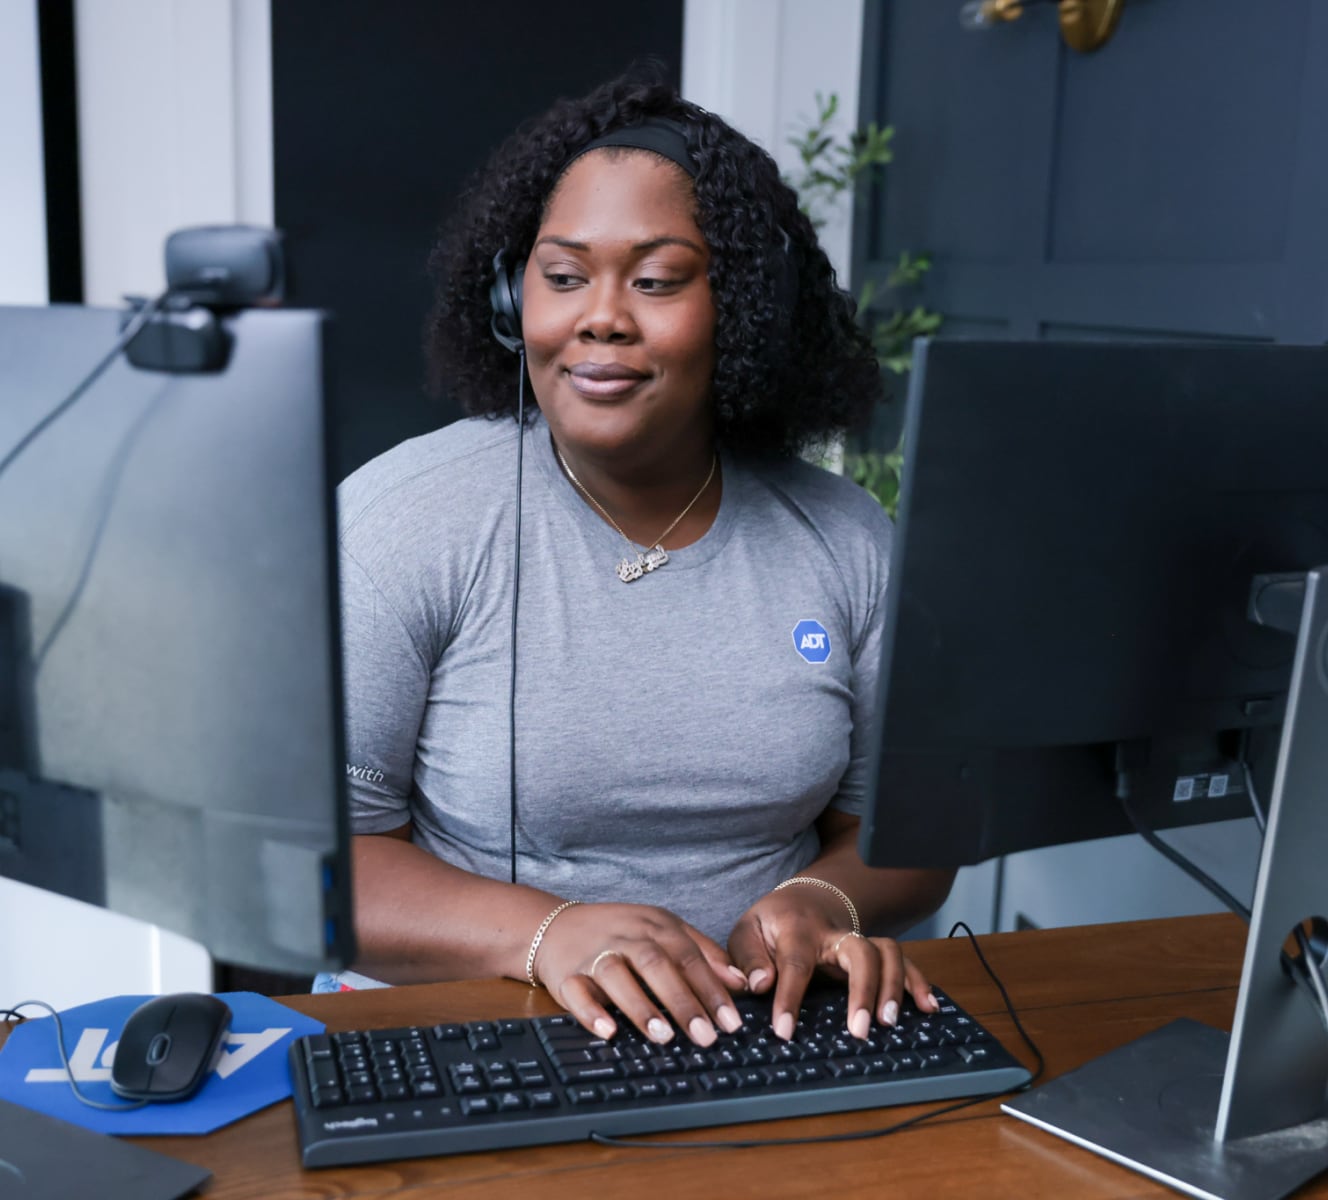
251	1074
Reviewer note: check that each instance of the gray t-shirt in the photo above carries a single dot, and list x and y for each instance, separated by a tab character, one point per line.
676	737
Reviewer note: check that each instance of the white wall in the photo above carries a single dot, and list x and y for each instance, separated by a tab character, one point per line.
175	129
1112	879
759	64
175	124
22	186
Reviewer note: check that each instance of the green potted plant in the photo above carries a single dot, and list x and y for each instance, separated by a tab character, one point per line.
831	166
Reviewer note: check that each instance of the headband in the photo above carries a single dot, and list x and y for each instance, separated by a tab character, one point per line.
659	134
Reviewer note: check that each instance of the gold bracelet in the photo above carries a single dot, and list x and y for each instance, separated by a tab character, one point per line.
539	937
829	887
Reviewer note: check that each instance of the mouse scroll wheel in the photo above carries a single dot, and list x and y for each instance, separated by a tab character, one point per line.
158	1049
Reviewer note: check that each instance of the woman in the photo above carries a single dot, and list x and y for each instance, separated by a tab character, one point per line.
700	612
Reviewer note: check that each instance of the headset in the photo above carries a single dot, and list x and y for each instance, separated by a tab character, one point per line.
505	303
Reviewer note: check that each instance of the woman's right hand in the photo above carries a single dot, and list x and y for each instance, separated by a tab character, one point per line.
645	961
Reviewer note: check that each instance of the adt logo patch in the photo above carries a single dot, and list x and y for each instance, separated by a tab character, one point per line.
811	641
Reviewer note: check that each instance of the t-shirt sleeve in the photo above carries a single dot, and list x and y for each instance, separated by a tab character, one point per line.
852	793
386	686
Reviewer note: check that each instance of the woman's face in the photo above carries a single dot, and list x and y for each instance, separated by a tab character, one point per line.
617	317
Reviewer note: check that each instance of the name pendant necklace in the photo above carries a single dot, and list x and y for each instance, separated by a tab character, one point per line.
643	561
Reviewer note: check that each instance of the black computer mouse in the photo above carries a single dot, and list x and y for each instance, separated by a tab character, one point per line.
169	1045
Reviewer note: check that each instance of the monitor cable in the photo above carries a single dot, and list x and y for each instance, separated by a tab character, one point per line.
104	505
1304	972
1256	808
1192	869
862	1135
131	330
8	1014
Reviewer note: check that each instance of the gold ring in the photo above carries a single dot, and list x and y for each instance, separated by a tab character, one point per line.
600	957
835	948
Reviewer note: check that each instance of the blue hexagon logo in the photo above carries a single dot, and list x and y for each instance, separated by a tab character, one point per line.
250	1072
811	641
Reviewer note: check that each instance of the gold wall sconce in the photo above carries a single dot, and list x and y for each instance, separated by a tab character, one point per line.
1085	24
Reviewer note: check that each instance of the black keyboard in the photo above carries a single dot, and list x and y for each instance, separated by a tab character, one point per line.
491	1085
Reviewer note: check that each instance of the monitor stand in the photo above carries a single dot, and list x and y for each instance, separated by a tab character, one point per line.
1245	1116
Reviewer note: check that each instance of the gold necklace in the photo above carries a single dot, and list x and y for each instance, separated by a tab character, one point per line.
646	560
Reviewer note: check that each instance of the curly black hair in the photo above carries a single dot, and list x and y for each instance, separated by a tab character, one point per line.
784	378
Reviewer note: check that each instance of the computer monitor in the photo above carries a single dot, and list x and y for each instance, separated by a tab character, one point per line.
170	719
1086	533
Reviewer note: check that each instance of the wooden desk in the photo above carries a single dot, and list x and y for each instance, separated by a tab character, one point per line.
1080	992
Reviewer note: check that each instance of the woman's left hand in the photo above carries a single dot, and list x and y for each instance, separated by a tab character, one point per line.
786	936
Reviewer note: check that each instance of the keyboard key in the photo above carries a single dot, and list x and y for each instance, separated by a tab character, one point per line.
511	1028
586	1093
449	1033
323	1073
473	1106
328	1097
543	1098
590	1071
510	1101
318	1045
718	1081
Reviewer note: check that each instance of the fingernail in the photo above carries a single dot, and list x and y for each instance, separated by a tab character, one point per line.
859	1024
890	1013
659	1030
784	1026
604	1027
729	1019
935	1004
702	1032
738	977
757	978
